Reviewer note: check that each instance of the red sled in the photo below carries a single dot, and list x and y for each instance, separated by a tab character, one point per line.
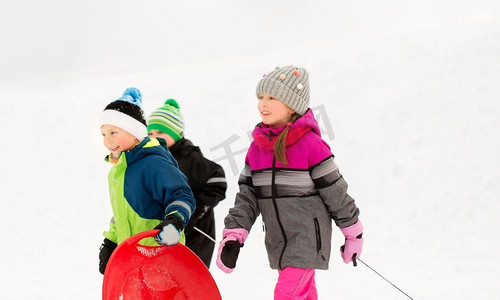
137	272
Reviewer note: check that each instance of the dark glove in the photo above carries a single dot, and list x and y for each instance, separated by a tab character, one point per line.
170	233
105	252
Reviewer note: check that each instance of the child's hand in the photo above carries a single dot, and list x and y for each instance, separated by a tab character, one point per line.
170	233
353	242
229	248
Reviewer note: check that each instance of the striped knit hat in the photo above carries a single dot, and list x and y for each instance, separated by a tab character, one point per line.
288	84
168	119
126	113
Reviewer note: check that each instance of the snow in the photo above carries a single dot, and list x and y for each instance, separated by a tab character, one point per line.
410	90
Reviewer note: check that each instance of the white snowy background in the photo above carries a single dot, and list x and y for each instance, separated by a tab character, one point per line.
411	90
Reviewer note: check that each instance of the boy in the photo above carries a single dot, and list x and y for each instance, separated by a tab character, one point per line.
146	188
206	178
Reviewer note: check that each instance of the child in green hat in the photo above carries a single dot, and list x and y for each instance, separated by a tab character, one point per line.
206	178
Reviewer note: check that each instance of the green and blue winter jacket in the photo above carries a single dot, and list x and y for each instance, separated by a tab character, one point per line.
145	185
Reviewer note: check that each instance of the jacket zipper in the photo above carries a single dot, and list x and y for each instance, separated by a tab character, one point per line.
318	234
273	196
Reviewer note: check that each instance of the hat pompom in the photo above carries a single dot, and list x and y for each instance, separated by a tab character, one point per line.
173	103
132	95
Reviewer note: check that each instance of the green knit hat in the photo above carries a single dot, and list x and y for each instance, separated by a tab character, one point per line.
168	119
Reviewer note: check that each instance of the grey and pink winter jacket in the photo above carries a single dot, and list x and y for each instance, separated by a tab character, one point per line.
297	202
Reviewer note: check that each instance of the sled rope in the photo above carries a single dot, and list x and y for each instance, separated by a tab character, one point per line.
384	278
206	235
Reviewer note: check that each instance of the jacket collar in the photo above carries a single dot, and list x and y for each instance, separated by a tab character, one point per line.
265	136
184	147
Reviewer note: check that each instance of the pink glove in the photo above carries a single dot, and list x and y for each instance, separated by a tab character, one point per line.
353	242
229	248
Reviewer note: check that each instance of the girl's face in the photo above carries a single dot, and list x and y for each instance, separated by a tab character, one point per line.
272	111
117	140
160	134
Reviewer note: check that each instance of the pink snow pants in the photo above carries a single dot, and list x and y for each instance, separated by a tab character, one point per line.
295	284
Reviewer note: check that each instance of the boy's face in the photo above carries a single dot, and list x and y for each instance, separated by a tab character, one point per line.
117	140
272	111
159	134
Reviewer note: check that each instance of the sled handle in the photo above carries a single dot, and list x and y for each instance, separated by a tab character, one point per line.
135	239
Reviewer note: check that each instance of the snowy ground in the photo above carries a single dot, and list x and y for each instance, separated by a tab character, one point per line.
410	90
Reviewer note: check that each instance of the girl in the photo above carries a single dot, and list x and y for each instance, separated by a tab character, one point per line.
290	178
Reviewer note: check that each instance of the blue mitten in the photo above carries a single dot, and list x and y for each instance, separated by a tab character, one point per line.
170	233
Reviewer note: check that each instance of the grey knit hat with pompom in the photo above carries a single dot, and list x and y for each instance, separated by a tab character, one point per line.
288	84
